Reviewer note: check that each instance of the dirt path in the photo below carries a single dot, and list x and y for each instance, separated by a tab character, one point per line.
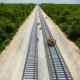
13	57
69	50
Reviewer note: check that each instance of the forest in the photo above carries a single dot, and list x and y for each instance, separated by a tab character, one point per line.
67	16
11	17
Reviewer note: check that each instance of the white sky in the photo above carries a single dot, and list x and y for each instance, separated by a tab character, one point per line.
41	1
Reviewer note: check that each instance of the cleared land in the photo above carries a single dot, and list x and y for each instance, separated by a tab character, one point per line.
13	57
69	51
67	17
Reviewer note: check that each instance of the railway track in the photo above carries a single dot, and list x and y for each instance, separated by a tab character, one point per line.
56	64
31	65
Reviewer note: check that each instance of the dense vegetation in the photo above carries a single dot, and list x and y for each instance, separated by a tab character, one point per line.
11	17
67	17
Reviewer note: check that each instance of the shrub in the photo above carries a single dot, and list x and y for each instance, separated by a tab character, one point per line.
67	16
11	17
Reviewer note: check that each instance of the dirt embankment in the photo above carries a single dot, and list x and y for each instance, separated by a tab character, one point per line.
13	57
69	50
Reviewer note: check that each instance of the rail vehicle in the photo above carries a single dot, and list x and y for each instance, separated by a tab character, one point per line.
51	42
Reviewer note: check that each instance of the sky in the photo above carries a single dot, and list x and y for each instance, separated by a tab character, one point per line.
42	1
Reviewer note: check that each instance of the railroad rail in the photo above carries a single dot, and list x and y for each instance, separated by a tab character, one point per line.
57	67
30	71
